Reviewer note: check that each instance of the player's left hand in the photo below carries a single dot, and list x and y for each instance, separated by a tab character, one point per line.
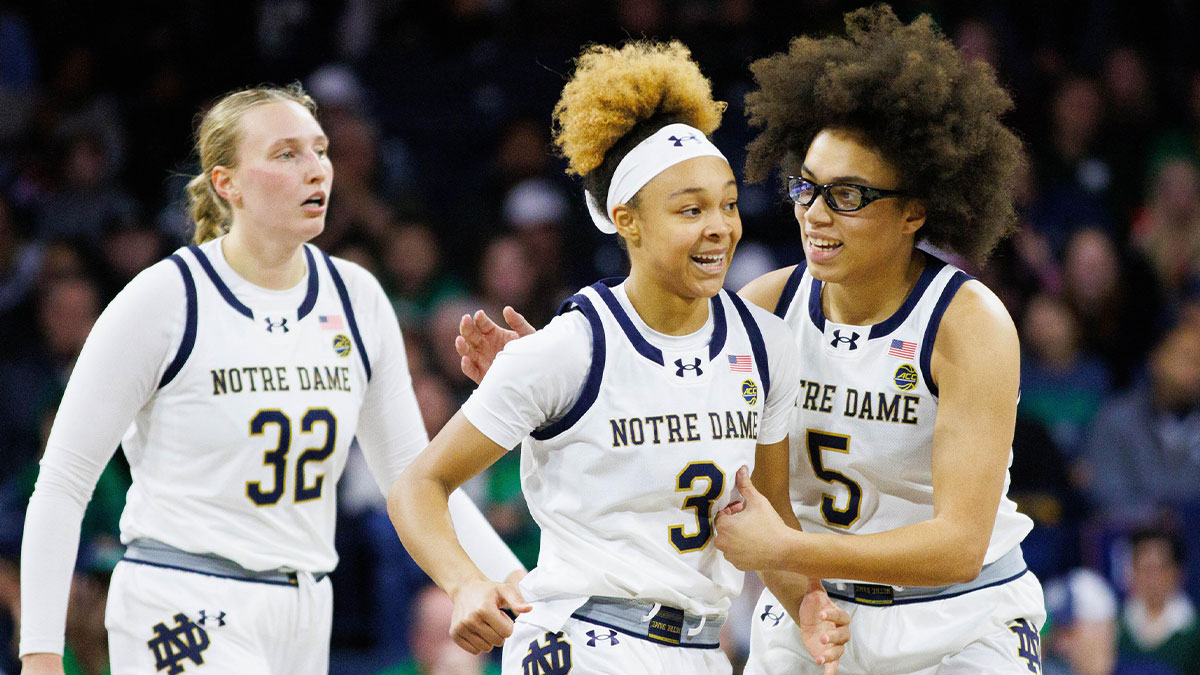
747	531
824	627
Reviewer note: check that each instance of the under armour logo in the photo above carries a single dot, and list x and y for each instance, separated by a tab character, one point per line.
1030	647
838	339
681	368
272	325
551	658
171	646
775	617
611	638
679	140
206	620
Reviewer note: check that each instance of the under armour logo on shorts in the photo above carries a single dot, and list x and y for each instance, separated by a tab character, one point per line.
1030	645
839	339
171	645
681	368
610	638
217	619
775	617
551	658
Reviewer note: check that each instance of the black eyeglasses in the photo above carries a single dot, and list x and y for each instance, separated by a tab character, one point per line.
838	196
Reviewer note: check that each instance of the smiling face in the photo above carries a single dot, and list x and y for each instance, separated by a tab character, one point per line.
846	246
281	182
684	228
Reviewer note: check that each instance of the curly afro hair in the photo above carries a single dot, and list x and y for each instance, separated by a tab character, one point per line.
932	114
618	97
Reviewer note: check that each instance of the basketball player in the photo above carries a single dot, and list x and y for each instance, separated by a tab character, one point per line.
634	407
902	437
234	374
910	368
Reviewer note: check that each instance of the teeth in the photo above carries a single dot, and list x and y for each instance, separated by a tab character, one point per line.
708	259
824	243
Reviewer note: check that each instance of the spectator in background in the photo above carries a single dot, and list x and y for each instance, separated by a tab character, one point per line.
1167	230
1116	299
87	197
1080	635
1128	126
1158	621
413	272
1144	449
1061	385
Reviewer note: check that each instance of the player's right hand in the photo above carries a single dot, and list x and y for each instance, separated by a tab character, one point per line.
479	623
42	664
480	339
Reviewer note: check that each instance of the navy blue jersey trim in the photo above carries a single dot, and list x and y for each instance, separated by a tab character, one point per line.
932	267
189	327
912	601
757	344
345	297
591	386
639	342
720	328
310	298
935	320
219	283
623	631
814	305
789	289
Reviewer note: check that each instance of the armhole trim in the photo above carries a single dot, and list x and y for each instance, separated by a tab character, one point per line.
789	289
591	386
222	288
757	344
344	295
931	328
189	328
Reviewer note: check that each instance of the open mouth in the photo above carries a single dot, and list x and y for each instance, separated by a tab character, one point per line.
823	245
317	200
710	262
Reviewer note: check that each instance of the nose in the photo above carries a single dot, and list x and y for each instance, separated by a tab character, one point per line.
723	224
818	213
316	168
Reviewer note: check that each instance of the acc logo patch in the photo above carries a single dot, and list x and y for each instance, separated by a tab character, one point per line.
750	392
905	377
341	345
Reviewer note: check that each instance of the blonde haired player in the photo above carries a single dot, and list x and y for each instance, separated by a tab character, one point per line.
234	374
634	407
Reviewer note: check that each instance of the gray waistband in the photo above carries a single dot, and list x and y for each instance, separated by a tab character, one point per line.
1002	570
157	554
652	621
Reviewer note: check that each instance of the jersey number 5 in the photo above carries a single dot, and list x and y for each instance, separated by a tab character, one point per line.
702	503
818	441
277	458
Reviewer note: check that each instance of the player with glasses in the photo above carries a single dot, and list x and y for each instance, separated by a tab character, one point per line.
901	438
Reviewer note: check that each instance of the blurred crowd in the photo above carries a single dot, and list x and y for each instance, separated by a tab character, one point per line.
447	190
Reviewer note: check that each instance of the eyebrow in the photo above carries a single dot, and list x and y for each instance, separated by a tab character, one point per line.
320	138
839	179
693	190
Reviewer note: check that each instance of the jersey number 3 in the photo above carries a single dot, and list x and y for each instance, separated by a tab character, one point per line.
702	503
277	458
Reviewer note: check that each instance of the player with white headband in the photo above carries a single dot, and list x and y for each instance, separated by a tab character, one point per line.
634	407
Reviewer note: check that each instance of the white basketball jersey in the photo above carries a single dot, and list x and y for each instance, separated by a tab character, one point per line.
626	485
239	452
862	433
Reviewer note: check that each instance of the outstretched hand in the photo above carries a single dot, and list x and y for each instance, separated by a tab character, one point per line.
824	627
749	531
479	621
480	339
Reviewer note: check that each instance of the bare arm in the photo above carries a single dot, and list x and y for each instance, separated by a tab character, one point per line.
975	364
766	290
418	506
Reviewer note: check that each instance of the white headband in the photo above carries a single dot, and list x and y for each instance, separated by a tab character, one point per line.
668	146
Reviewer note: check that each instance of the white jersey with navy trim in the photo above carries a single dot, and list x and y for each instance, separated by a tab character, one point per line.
625	485
862	432
240	450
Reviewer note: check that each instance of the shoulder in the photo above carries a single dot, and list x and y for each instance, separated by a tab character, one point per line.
776	333
161	284
568	337
766	290
356	277
976	319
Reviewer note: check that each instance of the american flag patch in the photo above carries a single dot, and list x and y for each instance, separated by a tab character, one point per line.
740	363
902	349
332	322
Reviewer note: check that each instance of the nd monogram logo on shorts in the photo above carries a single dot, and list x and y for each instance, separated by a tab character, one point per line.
171	646
551	658
1030	644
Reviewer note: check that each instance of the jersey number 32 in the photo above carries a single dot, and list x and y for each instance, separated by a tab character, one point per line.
277	458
